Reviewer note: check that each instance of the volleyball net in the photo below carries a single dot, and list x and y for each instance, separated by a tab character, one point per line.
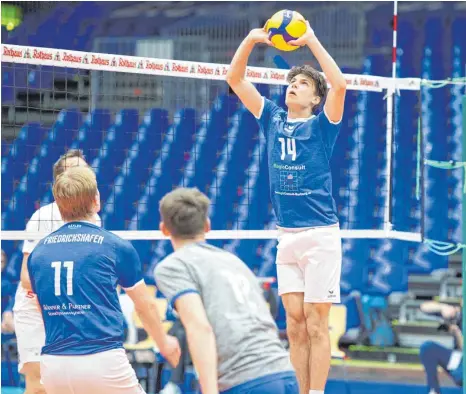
149	125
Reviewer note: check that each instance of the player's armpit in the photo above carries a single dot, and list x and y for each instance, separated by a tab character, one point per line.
201	340
334	105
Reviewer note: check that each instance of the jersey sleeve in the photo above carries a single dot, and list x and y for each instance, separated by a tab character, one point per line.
173	279
330	131
128	266
268	110
36	224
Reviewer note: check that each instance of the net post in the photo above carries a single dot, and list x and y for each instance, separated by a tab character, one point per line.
463	236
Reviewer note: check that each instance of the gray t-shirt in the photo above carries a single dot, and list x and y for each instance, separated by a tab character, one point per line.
248	346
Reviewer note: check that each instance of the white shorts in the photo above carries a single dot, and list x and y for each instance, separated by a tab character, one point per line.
309	262
29	327
101	373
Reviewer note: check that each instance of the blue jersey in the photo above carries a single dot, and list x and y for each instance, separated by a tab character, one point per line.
75	272
299	152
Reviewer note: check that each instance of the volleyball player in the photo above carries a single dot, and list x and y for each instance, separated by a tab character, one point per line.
232	337
75	272
300	146
28	321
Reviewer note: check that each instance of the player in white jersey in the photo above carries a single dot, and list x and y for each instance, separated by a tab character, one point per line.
29	325
299	147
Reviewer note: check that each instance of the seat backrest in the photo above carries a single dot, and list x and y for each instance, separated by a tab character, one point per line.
337	327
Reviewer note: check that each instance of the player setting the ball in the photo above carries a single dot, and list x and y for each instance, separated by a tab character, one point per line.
299	145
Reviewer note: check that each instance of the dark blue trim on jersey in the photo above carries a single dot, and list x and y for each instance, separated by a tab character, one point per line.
91	349
180	294
252	384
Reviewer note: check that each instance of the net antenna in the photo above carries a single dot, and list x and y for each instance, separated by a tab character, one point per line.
391	91
173	69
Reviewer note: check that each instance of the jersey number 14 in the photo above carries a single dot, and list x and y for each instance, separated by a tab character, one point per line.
69	265
288	147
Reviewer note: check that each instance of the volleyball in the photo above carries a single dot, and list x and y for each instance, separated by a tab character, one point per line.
284	26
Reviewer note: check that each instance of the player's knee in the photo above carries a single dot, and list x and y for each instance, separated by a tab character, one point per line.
316	330
427	350
316	322
296	328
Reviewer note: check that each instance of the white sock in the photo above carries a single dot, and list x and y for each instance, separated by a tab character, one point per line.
316	391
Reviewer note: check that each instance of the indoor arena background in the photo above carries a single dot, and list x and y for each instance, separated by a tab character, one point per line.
146	134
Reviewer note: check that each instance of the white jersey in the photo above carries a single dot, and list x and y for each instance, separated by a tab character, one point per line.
46	219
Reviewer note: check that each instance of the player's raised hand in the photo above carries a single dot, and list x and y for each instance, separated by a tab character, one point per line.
259	36
171	350
305	38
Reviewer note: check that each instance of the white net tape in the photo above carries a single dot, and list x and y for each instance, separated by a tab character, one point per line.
179	68
227	234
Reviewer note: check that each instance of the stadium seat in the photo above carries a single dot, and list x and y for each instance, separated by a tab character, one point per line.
337	327
36	181
166	170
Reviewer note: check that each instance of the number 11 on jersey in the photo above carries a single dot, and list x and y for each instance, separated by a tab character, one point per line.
288	147
69	265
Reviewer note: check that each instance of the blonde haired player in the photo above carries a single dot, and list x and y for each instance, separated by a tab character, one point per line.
75	272
299	146
29	325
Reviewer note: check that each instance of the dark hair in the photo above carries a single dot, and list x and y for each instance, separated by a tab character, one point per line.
320	84
184	212
59	166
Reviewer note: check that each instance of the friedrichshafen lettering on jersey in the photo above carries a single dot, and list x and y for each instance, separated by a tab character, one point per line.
65	238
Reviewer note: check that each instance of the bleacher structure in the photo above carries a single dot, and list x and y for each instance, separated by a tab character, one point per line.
138	157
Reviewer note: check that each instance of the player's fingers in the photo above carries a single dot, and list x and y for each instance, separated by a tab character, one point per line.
265	26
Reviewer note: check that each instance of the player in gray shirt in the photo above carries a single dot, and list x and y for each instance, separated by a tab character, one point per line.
232	337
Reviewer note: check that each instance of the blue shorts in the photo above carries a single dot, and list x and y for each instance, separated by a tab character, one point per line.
278	383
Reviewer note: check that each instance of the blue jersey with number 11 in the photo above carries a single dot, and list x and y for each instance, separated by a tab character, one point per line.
75	272
299	152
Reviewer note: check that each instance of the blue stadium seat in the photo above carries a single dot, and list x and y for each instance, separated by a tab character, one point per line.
231	175
20	153
205	153
114	150
92	133
167	169
36	181
135	171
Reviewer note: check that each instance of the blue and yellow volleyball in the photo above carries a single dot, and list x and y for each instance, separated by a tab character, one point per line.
284	26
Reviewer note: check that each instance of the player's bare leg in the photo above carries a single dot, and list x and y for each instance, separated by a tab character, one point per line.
31	372
298	338
317	328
